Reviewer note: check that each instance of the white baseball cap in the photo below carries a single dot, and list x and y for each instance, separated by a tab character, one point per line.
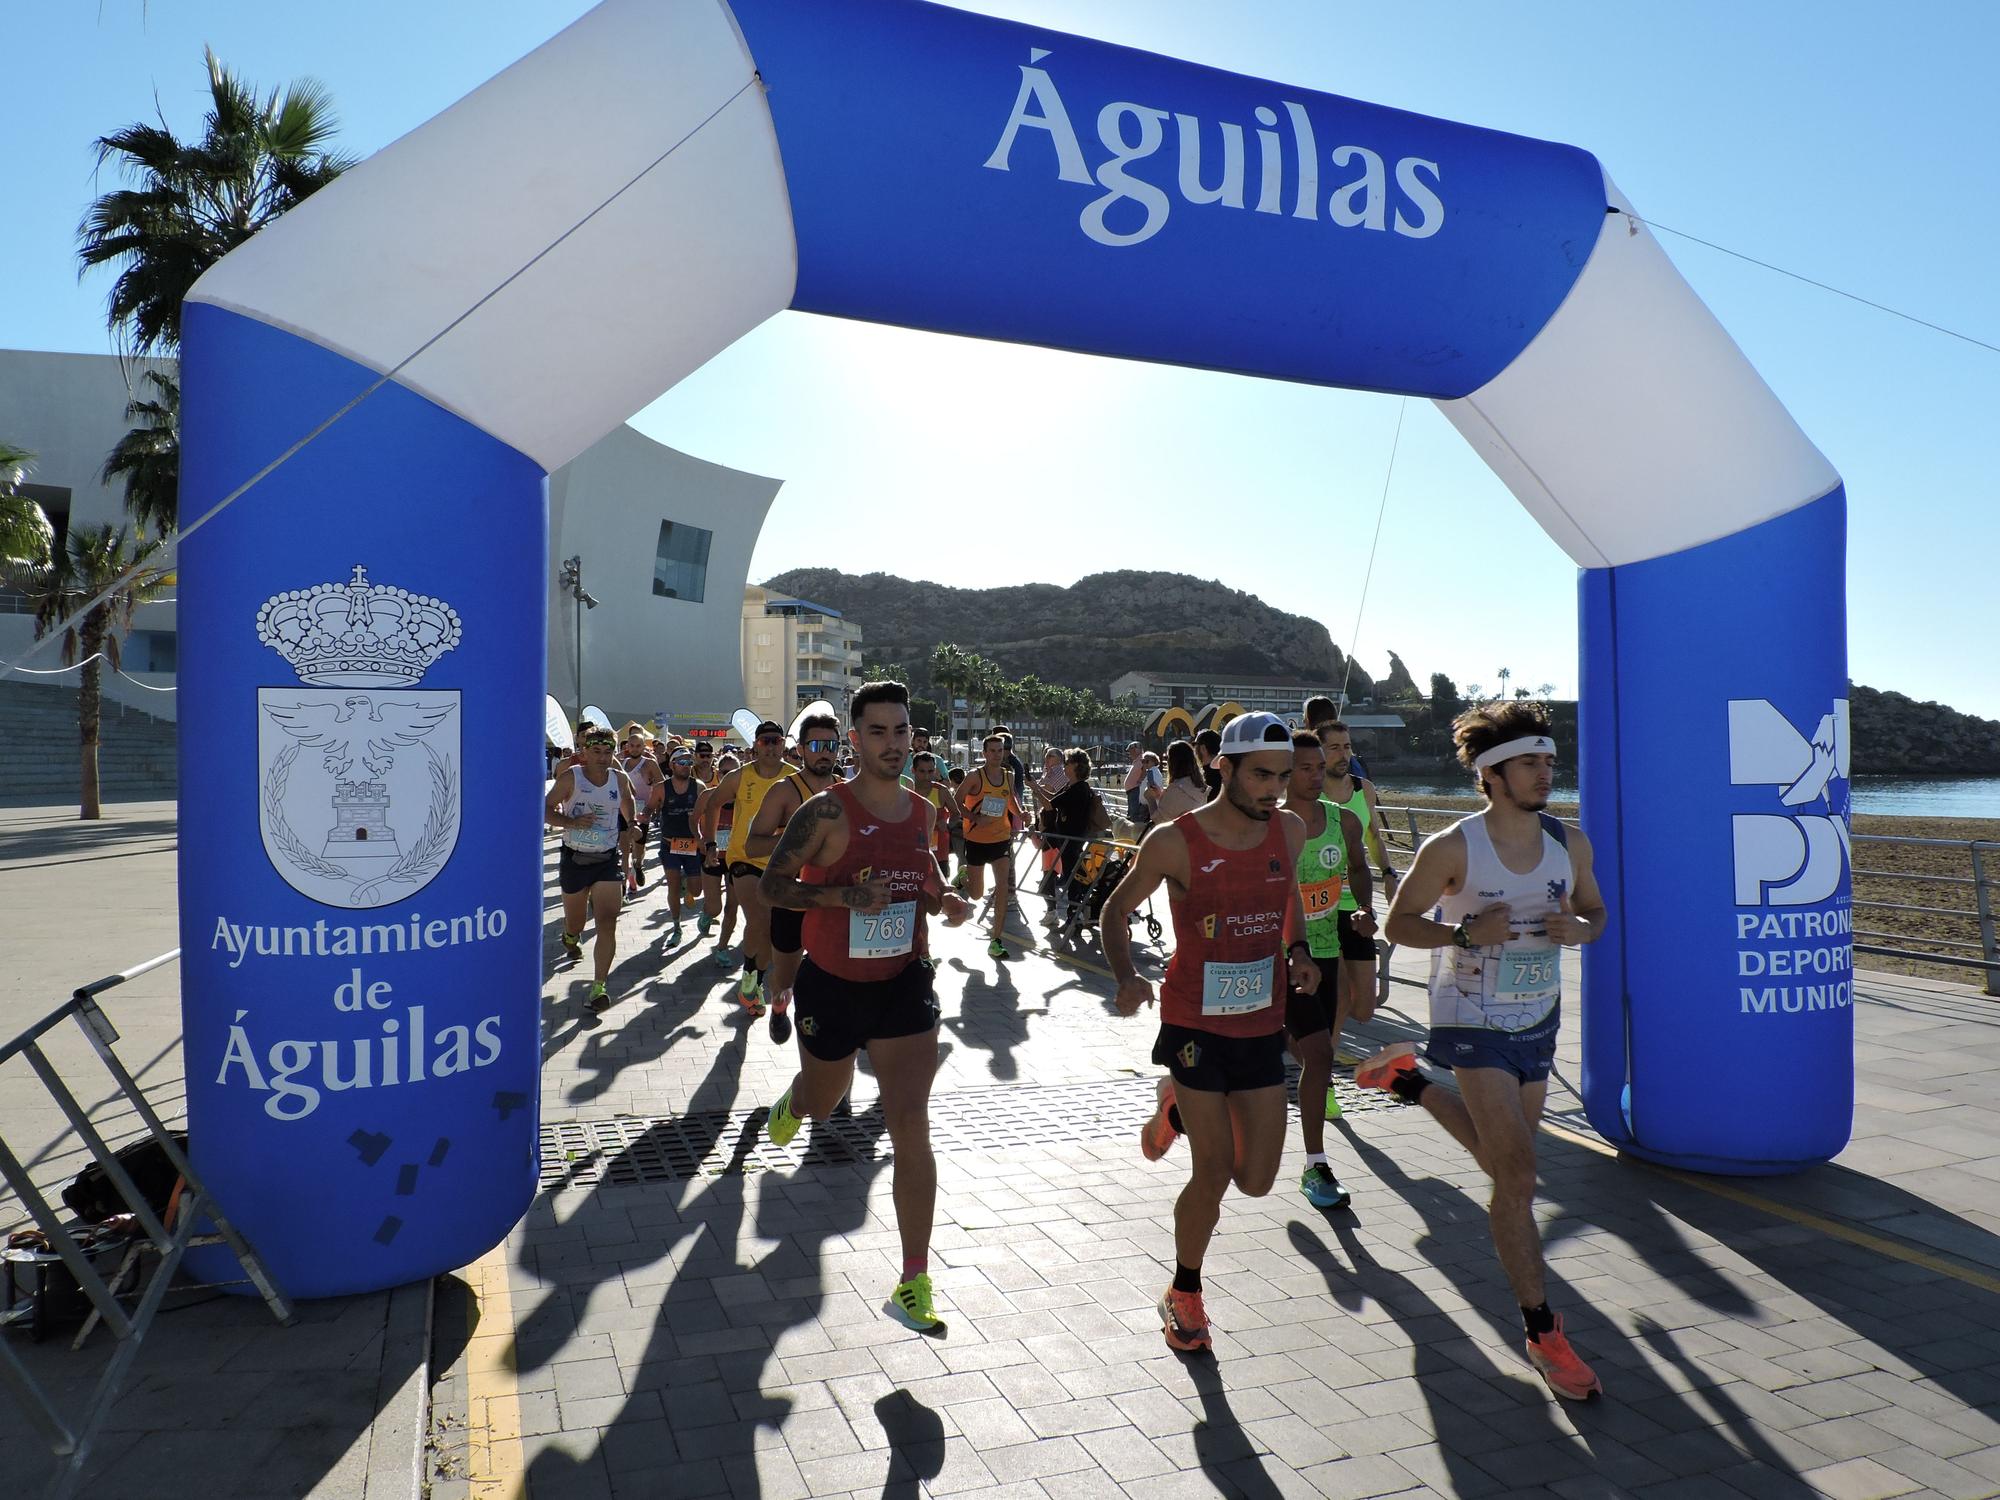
1248	734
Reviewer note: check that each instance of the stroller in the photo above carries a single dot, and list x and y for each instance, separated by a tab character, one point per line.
1097	874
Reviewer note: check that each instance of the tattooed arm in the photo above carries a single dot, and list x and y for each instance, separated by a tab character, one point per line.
816	835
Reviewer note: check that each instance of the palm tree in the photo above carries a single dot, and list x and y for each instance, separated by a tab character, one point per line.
25	532
949	675
60	583
1503	675
189	203
192	202
148	457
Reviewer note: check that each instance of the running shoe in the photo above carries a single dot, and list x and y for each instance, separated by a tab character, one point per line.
1322	1188
702	923
910	1305
1052	918
996	949
1184	1321
1332	1103
674	936
781	1019
1158	1133
1567	1375
750	994
1386	1066
573	947
729	958
599	998
781	1124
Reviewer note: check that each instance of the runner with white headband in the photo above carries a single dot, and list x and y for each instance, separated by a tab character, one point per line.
1496	896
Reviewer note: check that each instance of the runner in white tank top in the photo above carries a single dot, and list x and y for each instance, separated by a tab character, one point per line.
1515	985
1495	897
585	802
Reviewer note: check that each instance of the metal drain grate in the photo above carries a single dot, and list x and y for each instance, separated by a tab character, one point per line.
630	1151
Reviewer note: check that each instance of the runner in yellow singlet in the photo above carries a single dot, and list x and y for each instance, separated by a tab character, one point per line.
747	787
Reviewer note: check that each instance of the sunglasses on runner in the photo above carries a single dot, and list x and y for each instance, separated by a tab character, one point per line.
704	749
815	746
771	739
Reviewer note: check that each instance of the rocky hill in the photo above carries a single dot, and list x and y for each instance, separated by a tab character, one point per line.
1084	635
1898	736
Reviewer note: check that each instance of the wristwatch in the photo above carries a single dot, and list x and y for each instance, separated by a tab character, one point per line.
1460	937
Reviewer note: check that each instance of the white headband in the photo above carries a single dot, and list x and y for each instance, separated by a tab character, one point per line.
1528	744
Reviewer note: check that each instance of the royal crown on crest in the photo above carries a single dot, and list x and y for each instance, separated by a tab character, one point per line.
358	634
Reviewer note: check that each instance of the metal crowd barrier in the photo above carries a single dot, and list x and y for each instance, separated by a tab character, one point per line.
1982	880
191	1207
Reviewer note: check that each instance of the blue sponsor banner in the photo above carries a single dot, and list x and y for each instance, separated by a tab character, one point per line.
954	172
1718	1013
361	782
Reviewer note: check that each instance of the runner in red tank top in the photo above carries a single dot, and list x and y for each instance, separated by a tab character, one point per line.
1239	939
856	859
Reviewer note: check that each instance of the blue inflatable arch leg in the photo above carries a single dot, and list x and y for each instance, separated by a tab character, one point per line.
360	894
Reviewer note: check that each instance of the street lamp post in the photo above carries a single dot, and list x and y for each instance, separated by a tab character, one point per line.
572	581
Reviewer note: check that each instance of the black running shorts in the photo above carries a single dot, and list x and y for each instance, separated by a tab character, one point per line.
788	929
1203	1061
575	875
1354	945
836	1016
978	853
1306	1014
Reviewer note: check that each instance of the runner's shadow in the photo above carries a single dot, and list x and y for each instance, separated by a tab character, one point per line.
916	1444
1229	1456
990	1019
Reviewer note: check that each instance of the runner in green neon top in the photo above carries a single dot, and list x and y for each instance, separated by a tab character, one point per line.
1358	987
1324	870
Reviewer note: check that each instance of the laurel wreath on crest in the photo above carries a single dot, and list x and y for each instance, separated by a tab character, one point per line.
281	831
433	845
423	859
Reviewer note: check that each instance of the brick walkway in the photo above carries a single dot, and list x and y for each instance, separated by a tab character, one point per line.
686	1313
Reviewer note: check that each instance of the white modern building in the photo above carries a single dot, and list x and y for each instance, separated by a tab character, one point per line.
69	411
795	651
662	541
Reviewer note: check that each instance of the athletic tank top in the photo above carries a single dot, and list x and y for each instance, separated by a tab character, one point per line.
642	784
1227	974
1512	985
1322	873
600	836
675	807
1357	803
874	945
751	789
940	837
987	806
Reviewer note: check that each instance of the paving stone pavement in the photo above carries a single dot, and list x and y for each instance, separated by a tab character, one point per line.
717	1331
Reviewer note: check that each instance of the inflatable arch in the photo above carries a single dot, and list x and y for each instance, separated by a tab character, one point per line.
424	340
1170	724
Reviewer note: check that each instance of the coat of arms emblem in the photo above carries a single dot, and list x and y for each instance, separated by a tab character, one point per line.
359	767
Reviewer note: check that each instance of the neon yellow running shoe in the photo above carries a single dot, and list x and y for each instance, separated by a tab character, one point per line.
781	1124
910	1305
1332	1103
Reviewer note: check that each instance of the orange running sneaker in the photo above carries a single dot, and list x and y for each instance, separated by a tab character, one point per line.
1158	1133
1568	1376
1184	1321
1385	1067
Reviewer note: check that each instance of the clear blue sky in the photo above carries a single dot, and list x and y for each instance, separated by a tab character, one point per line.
1831	139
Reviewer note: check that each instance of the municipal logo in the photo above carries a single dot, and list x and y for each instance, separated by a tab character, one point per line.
357	764
1796	852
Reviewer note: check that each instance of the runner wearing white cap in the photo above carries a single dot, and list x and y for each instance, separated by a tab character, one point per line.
1240	938
1496	897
